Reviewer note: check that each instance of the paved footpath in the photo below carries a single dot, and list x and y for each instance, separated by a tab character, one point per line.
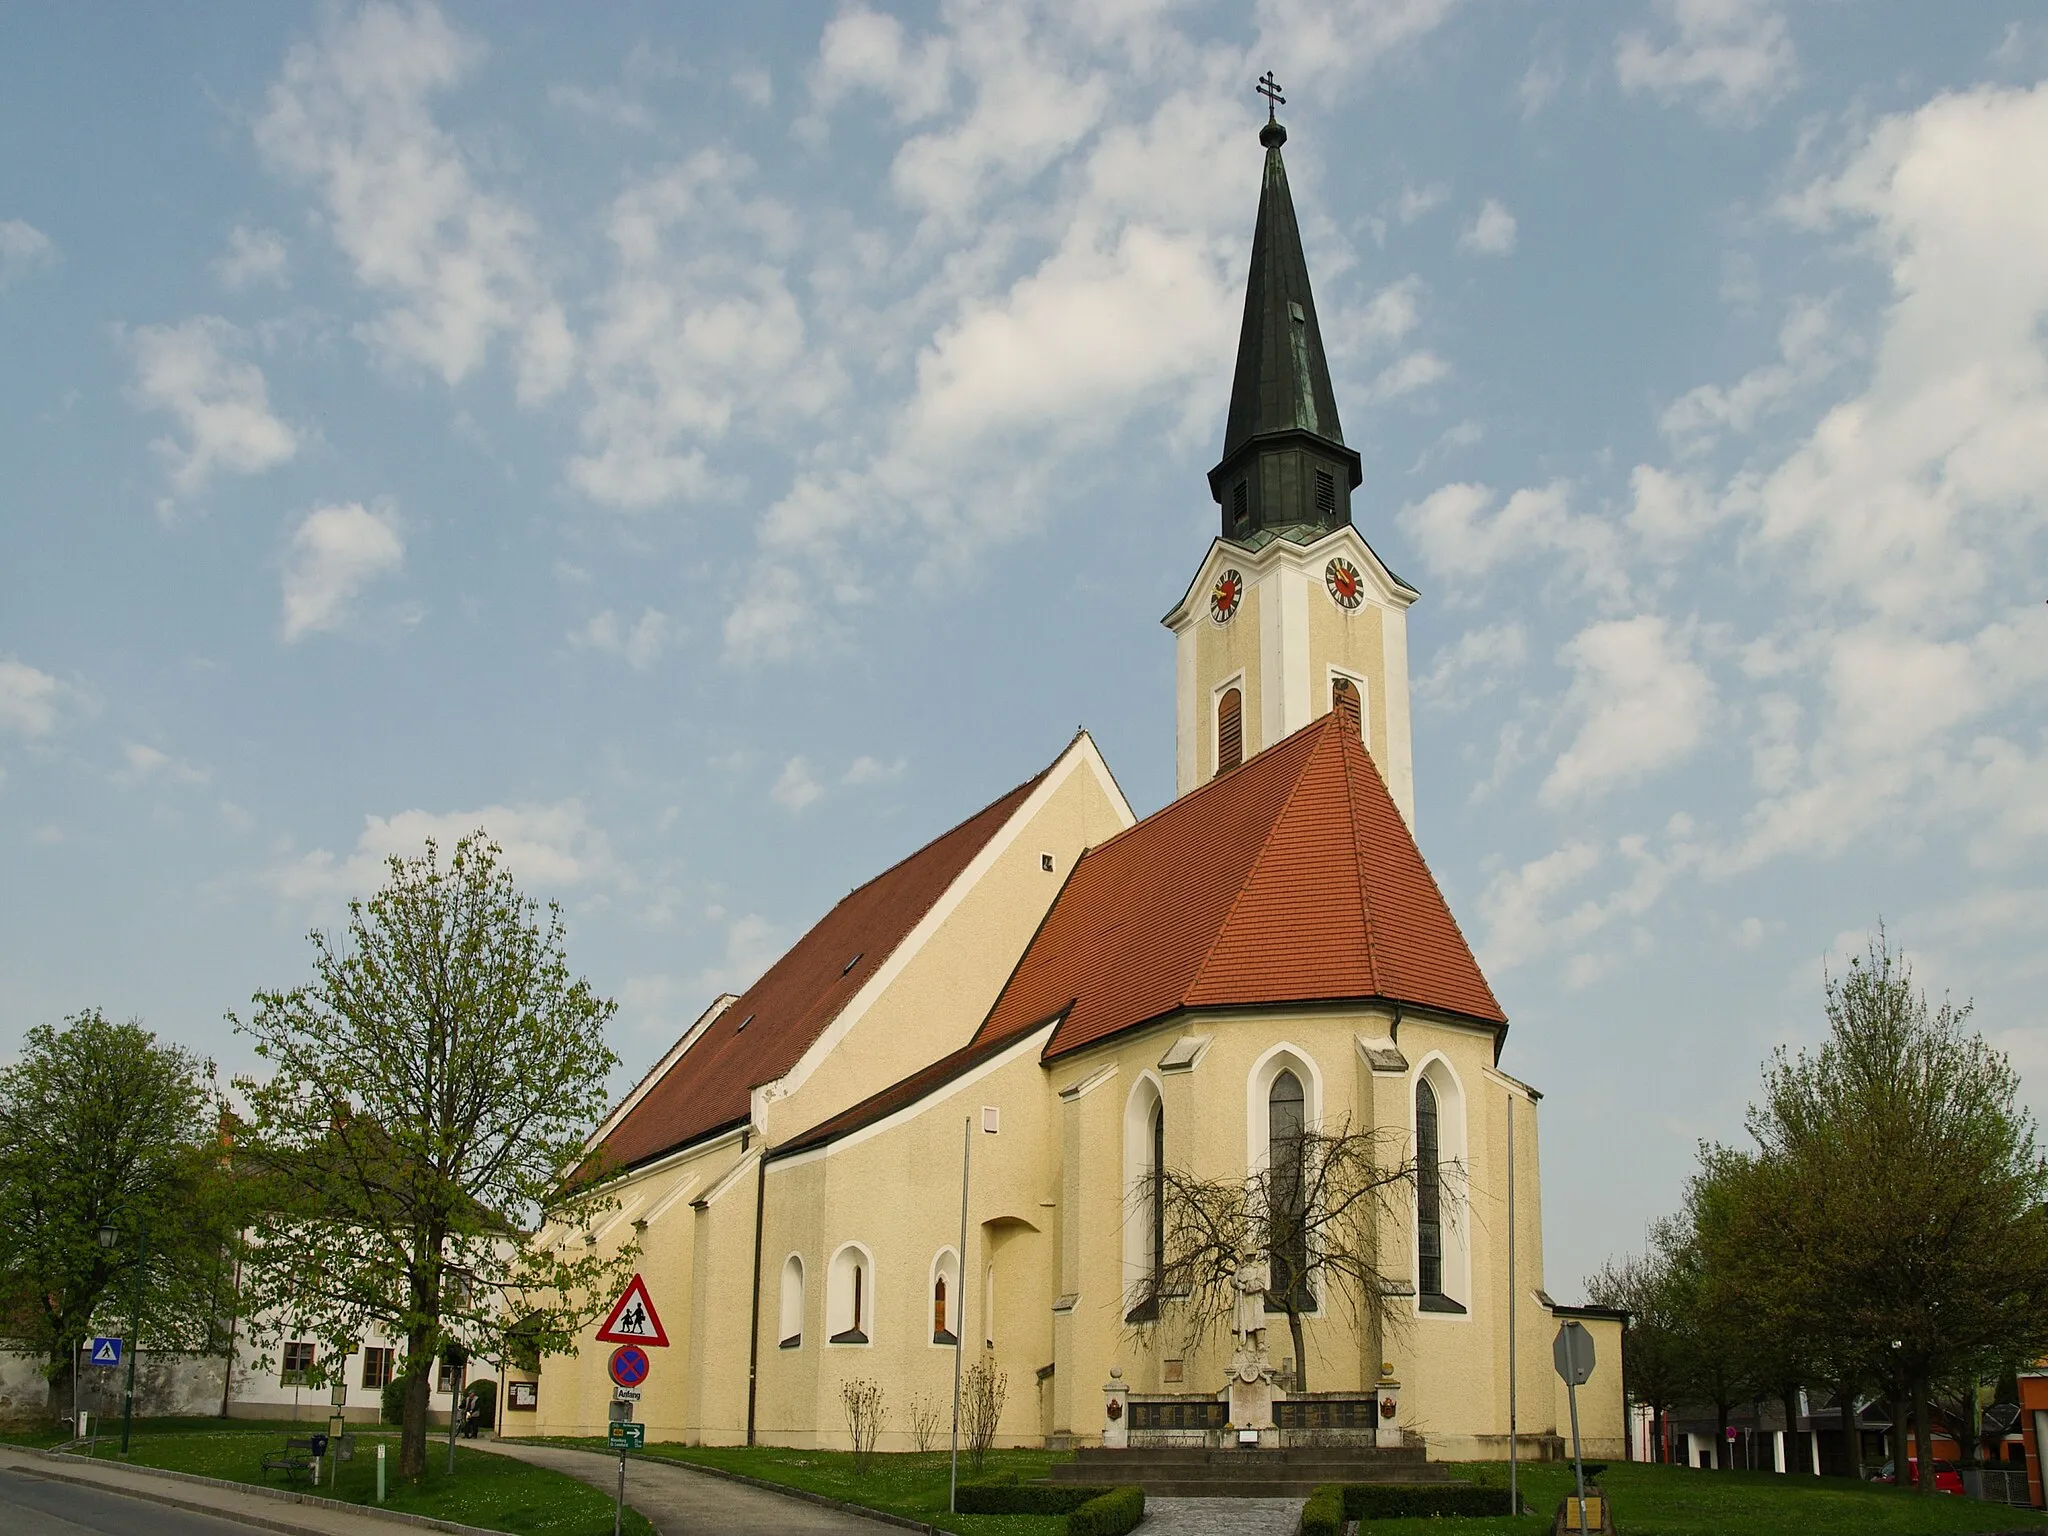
1221	1517
113	1492
681	1501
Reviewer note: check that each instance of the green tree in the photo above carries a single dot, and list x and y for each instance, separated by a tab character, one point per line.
1649	1287
1922	1214
104	1126
429	1089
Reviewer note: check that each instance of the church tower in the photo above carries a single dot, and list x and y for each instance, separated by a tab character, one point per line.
1291	613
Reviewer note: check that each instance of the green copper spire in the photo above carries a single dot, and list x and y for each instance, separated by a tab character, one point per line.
1285	470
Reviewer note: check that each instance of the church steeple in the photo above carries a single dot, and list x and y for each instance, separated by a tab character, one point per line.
1285	472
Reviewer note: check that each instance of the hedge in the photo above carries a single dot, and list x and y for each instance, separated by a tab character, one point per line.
1323	1514
1108	1514
1395	1501
1004	1495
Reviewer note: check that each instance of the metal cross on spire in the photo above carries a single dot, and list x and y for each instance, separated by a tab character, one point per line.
1269	88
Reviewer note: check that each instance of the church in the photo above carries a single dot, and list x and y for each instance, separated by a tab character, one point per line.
1057	1003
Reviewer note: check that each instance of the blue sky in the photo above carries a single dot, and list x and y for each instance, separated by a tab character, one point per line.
718	447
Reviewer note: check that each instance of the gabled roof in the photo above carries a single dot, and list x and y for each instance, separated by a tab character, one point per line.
762	1036
1289	879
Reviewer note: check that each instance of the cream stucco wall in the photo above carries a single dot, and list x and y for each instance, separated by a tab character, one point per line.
934	994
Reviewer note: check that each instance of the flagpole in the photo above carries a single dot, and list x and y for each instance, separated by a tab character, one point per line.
1514	1487
960	1308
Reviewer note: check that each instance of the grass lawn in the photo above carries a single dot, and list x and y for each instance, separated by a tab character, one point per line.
1676	1501
491	1491
910	1483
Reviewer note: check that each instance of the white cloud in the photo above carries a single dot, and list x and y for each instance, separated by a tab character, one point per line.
1462	538
864	50
29	699
23	249
1313	40
639	644
1491	232
1695	421
1539	85
1641	705
350	115
1416	371
141	762
1532	911
335	553
546	847
1730	57
1472	666
870	770
797	787
752	944
693	331
253	256
1417	201
219	399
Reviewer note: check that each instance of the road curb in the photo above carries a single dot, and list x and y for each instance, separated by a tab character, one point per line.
824	1500
242	1517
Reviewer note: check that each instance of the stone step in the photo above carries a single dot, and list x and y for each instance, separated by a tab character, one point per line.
1242	1488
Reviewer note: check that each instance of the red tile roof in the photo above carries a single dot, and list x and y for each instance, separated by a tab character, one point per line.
764	1034
1292	878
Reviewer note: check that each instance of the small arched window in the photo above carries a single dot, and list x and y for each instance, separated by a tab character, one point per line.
1229	730
1429	1193
1344	695
849	1298
945	1298
1146	1247
792	1302
1286	1121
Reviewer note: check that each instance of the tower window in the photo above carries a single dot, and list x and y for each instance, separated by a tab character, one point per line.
1326	492
1239	513
1344	699
1229	730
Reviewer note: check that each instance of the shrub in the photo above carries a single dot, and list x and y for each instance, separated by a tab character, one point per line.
1002	1494
924	1422
982	1394
865	1411
393	1400
1393	1501
1323	1514
1108	1514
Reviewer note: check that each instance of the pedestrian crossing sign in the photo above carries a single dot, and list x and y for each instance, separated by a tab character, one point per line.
633	1319
105	1351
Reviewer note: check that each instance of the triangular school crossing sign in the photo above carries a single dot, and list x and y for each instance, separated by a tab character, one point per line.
633	1319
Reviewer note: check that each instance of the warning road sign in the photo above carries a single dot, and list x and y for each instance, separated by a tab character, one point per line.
633	1319
105	1351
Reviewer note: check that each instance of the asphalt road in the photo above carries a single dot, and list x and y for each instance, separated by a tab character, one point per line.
34	1506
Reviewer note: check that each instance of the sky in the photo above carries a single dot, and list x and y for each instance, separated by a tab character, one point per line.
716	448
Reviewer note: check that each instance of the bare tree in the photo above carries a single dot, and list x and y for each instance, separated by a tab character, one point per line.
1318	1213
924	1422
865	1412
983	1391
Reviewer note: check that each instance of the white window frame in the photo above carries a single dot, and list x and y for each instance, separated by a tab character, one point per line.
945	1262
1454	1213
839	1316
1146	1094
1244	721
791	1312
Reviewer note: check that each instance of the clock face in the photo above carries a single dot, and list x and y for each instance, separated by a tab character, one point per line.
1225	596
1346	586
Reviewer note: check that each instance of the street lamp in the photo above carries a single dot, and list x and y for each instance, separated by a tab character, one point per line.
108	1237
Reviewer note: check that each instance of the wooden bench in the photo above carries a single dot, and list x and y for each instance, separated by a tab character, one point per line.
297	1456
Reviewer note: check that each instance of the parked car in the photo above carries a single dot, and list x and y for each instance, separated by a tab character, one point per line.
1947	1478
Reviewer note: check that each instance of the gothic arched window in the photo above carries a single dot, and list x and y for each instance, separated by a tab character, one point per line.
1145	1223
1286	1122
946	1296
849	1299
1429	1219
1229	730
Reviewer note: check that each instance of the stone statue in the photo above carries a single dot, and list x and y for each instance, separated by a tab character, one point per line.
1252	1280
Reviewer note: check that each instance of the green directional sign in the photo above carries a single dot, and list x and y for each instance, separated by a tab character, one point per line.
626	1437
